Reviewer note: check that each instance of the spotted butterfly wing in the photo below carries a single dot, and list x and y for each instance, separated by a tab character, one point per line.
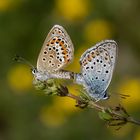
57	51
97	64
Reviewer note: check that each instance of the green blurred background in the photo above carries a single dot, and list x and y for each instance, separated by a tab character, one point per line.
27	114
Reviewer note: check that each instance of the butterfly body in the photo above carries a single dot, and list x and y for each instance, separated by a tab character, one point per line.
97	65
40	76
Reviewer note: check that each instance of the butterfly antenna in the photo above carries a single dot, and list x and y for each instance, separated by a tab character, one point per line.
20	59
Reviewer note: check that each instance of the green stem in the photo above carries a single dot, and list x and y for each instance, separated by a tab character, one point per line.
113	113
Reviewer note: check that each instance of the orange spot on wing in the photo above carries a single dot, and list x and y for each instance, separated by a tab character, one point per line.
92	55
52	41
63	48
85	64
89	57
57	40
97	53
61	43
64	51
65	58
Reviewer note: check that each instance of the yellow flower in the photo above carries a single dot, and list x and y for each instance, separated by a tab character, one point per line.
20	78
58	113
72	9
8	4
124	131
137	135
52	116
75	65
65	104
98	30
132	88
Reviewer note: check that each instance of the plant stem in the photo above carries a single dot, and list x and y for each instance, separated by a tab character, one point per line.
115	114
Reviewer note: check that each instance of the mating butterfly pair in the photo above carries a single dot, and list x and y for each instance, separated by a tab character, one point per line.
97	63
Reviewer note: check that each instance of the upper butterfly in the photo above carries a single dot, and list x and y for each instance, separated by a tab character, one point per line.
57	51
97	64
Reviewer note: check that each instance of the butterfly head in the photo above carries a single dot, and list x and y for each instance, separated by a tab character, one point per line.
41	76
38	75
34	71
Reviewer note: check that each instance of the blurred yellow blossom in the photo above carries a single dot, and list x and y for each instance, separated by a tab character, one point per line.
66	104
124	131
20	77
98	30
52	116
56	114
137	135
132	88
72	9
75	65
8	4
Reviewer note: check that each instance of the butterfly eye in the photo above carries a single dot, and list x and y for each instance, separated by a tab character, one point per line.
34	71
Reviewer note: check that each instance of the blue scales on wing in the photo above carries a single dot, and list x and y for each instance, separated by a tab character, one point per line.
97	65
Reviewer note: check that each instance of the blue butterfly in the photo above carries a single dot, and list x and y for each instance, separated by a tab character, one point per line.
97	65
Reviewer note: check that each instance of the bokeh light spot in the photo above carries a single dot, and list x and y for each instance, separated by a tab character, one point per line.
132	88
137	135
58	113
20	78
73	10
52	116
98	30
6	5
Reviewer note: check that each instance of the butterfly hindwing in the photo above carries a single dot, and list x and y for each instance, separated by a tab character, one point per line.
97	64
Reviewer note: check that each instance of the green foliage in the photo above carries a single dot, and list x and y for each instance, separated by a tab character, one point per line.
104	115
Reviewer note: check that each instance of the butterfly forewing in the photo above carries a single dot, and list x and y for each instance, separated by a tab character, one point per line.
97	65
57	51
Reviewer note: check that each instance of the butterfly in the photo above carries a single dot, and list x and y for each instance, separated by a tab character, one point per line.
56	53
97	65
